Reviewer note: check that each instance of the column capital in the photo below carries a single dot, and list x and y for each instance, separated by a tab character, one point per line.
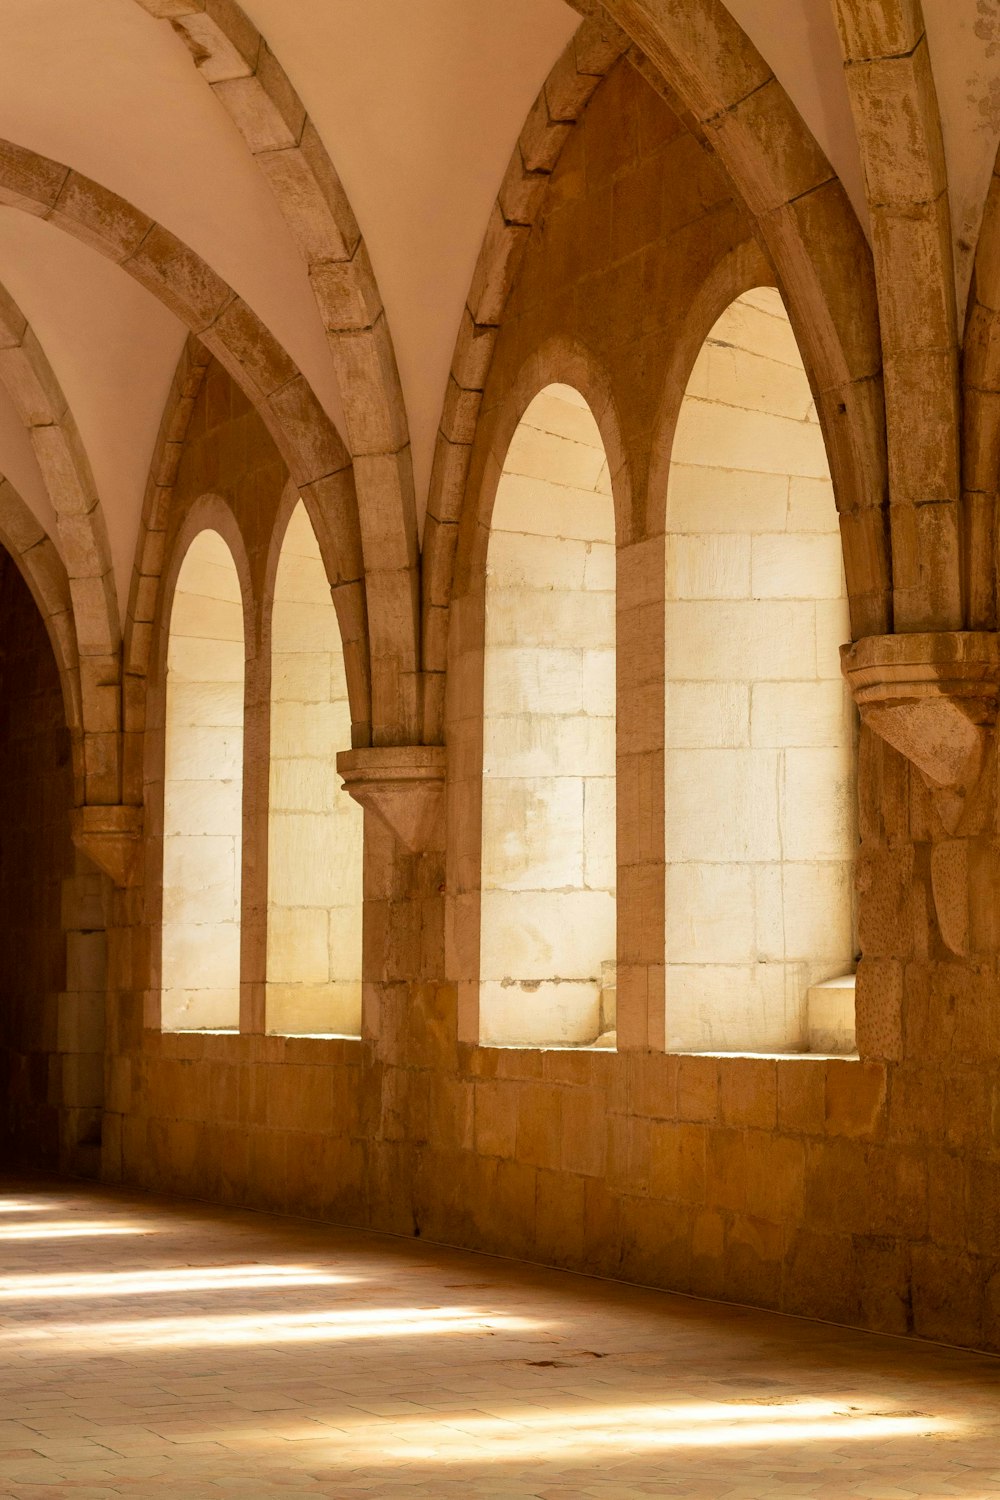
403	785
111	836
933	697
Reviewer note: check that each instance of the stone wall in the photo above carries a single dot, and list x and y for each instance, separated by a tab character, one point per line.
548	872
761	827
863	1191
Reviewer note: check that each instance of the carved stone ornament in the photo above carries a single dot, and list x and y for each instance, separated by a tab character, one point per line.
112	838
403	785
933	697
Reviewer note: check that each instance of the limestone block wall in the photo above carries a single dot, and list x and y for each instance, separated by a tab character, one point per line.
761	827
36	859
861	1190
203	793
315	830
548	823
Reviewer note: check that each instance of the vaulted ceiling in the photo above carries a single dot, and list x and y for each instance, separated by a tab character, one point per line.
419	108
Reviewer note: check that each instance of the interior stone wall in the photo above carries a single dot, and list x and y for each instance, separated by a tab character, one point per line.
203	793
315	830
36	860
761	821
863	1191
548	854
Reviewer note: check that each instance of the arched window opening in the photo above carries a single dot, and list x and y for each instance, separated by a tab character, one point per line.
315	830
203	794
760	729
547	953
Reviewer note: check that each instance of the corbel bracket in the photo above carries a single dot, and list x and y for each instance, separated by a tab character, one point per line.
933	697
403	785
111	837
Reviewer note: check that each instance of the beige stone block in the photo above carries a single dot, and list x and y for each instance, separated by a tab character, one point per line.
544	934
797	567
599	673
345	928
599	847
206	1009
812	507
306	870
757	322
728	438
711	914
600	570
730	1008
750	380
533	833
303	785
298	945
308	729
818	804
526	681
543	745
206	620
708	567
206	703
817	913
537	507
208	755
707	714
833	630
701	498
801	713
737	641
722	805
535	562
314	1010
200	955
305	626
86	960
201	878
203	807
830	1015
537	454
191	661
531	617
549	1015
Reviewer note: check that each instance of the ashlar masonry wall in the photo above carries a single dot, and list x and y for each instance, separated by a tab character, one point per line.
863	1191
548	853
315	830
761	823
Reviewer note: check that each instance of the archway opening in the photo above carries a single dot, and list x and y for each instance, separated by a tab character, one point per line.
547	952
760	728
46	1110
315	830
203	794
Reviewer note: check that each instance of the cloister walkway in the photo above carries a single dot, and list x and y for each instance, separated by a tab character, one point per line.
151	1347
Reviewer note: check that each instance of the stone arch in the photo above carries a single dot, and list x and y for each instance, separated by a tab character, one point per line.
743	269
807	228
40	403
304	435
249	82
44	572
210	516
596	47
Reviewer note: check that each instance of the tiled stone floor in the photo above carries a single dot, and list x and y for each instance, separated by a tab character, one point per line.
149	1347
